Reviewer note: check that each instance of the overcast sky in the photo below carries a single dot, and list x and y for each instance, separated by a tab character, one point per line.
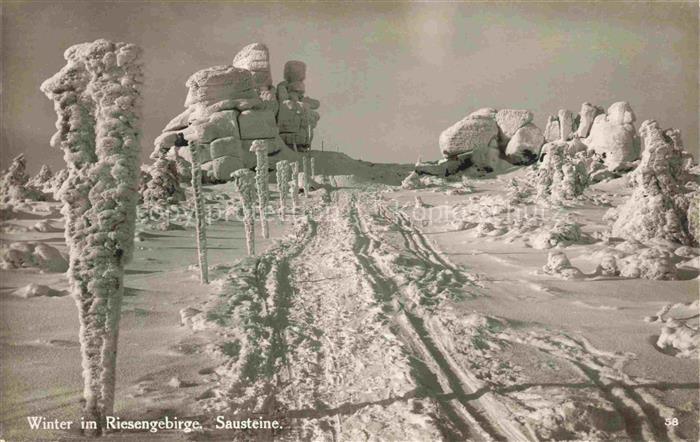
390	76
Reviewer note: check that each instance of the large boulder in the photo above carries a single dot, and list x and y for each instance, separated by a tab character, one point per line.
219	83
566	124
510	120
586	116
471	134
551	130
255	58
294	70
525	144
220	169
256	124
219	125
613	135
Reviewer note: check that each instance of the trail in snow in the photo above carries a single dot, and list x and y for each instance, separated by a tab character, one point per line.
346	331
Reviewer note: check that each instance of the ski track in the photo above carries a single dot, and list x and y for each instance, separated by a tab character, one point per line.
359	351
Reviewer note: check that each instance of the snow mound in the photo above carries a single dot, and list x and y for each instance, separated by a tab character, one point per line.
33	254
34	290
680	331
558	264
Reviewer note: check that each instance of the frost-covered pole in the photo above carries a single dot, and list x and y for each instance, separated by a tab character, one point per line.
259	147
294	187
313	167
199	214
244	181
96	96
305	165
282	183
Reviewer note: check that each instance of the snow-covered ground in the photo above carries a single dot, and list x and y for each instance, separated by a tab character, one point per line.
374	313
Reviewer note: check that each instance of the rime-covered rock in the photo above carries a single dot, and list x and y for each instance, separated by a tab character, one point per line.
255	58
551	130
294	70
510	120
228	107
219	83
566	124
525	144
469	135
613	135
586	116
658	206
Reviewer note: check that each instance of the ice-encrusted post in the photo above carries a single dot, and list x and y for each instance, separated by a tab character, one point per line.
282	183
200	222
305	166
244	182
97	97
294	187
313	167
259	147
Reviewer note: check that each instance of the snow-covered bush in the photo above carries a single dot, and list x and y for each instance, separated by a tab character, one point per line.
162	186
42	180
558	264
659	205
96	95
15	186
259	147
561	175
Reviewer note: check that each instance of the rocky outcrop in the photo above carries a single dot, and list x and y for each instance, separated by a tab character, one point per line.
551	130
297	113
509	121
487	135
524	146
228	107
613	135
658	206
566	124
471	134
586	117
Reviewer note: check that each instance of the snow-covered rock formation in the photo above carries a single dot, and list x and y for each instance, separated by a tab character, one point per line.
613	135
658	208
96	96
487	135
230	106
